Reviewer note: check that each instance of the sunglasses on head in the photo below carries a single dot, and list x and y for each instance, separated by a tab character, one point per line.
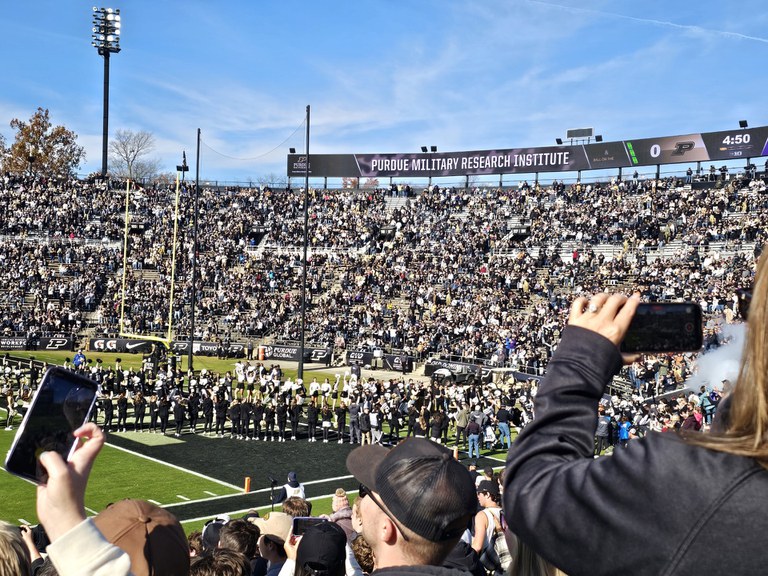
364	491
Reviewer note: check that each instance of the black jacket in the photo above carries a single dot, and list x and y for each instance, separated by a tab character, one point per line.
659	506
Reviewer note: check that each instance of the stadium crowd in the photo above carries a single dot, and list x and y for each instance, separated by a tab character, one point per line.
443	273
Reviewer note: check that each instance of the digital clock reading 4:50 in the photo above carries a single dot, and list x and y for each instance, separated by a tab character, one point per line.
737	139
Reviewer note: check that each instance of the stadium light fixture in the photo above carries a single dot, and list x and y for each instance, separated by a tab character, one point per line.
183	166
743	124
599	138
292	150
559	141
106	39
431	149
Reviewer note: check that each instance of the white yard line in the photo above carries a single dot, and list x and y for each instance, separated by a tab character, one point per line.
233	513
259	491
140	455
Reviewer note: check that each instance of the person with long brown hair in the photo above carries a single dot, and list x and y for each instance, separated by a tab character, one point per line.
688	503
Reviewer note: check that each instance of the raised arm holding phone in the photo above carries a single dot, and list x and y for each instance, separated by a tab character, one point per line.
77	547
668	504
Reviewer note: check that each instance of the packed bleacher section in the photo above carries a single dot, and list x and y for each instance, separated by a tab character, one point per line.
445	271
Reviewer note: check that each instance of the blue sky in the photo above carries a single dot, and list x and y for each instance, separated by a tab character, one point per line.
384	76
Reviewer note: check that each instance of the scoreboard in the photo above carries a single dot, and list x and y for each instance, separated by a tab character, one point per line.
700	147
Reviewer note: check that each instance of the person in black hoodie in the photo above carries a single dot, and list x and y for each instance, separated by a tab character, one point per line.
571	508
152	406
221	406
365	426
122	412
234	418
281	411
179	411
139	411
245	419
312	417
206	406
257	415
193	408
109	410
295	415
269	421
163	413
341	420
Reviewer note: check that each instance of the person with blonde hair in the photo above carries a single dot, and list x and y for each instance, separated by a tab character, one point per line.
14	557
664	504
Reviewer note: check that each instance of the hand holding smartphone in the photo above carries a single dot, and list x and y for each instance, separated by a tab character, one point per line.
62	404
660	327
301	523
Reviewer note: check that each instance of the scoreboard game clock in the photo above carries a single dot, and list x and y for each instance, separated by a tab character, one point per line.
735	144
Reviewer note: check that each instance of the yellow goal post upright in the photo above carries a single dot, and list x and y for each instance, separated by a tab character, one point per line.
166	341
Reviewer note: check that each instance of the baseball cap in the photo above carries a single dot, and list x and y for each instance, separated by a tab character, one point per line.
420	483
292	477
212	531
489	486
276	525
152	537
322	549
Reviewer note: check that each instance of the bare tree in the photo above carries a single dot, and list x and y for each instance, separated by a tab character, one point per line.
128	151
272	180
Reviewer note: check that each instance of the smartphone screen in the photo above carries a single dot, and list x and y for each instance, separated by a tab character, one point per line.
665	327
301	523
62	404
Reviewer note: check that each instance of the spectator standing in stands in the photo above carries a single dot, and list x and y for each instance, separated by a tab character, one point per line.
275	530
342	513
416	502
704	485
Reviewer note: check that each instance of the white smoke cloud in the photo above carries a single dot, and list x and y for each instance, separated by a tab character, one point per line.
721	363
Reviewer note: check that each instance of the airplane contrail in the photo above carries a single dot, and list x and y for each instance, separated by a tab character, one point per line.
689	27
